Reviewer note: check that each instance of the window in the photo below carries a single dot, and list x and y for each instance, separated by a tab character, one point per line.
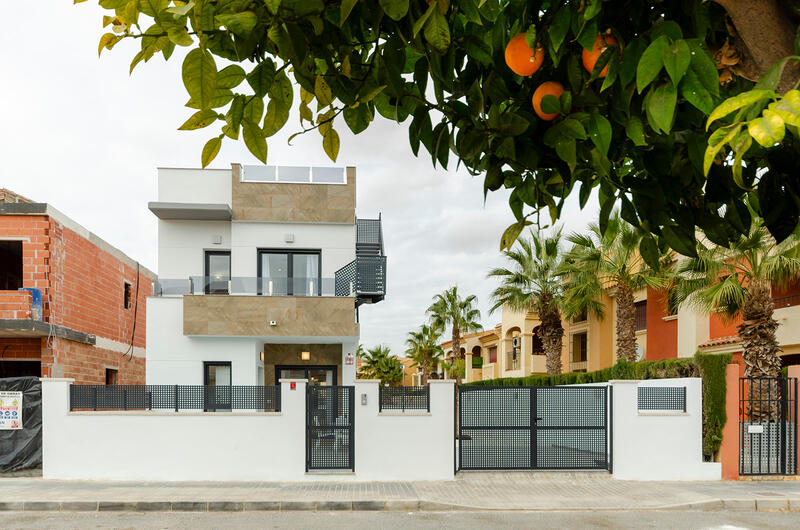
217	272
294	273
492	354
111	376
10	265
537	348
641	315
580	317
126	295
579	347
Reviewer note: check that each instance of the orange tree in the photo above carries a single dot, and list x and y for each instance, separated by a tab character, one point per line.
663	125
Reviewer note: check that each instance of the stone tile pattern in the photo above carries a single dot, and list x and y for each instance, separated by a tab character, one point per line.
317	316
294	203
289	355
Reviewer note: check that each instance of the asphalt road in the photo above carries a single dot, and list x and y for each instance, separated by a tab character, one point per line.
437	520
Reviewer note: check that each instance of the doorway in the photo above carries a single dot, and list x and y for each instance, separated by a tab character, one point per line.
316	375
217	381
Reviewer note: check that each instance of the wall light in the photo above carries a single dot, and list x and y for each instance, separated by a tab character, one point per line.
262	356
306	355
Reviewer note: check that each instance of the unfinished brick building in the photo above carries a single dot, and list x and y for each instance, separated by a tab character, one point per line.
71	305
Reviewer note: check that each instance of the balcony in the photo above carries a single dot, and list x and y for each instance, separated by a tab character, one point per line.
251	286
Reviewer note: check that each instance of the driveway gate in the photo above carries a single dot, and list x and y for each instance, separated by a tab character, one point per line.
533	427
329	427
767	426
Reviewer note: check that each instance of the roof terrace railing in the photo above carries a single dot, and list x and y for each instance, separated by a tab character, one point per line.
294	174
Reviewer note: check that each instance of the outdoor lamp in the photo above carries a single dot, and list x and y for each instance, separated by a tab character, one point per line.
262	356
306	355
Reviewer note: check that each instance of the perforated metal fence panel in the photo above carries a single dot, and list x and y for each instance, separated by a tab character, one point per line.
513	428
661	398
768	420
330	413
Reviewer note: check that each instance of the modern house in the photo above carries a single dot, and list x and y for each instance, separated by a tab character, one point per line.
71	305
513	348
262	271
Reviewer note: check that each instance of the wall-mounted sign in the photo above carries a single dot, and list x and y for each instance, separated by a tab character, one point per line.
10	410
349	359
292	386
755	429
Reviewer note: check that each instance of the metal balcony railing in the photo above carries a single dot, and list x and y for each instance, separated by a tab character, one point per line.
365	277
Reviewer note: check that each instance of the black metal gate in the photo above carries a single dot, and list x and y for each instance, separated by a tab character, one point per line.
534	428
767	426
330	412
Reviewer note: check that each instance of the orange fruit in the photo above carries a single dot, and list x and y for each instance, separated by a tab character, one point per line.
601	42
548	88
521	58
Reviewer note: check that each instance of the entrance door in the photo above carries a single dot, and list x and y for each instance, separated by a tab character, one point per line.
217	381
316	375
767	426
330	412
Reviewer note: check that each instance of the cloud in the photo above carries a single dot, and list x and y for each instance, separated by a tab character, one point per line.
87	137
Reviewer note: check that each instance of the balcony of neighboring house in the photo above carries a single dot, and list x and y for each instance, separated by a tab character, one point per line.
579	352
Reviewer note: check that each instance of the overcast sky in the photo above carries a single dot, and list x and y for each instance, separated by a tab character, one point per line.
83	135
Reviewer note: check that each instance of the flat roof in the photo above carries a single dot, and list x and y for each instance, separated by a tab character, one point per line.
191	211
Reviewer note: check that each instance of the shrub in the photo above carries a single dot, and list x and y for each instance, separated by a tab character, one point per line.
709	367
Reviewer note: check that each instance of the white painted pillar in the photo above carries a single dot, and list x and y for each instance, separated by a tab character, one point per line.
349	370
693	330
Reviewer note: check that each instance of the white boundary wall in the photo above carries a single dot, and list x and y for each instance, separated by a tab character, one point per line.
659	445
222	446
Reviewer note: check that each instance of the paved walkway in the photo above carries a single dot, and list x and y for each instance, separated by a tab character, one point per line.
477	491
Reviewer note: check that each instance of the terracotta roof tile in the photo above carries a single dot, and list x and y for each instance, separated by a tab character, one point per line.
733	339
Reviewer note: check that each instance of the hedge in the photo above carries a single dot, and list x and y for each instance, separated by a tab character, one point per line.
710	367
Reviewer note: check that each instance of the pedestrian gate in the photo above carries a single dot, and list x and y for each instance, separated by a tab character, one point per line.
767	426
533	428
329	427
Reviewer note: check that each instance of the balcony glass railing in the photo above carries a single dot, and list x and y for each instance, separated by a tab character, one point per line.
237	285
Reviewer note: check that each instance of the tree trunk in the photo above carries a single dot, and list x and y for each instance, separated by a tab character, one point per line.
425	366
457	351
551	332
760	350
626	323
765	32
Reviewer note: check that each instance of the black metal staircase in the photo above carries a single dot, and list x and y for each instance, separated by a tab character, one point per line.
365	277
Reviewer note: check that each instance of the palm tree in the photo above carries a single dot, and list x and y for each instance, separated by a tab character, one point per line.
737	282
534	283
424	348
610	261
448	308
380	364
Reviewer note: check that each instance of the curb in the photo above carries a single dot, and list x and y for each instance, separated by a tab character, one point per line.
785	504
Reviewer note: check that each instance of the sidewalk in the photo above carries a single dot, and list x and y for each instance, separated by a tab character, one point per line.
470	491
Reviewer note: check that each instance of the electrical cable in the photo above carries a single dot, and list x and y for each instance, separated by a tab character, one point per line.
135	312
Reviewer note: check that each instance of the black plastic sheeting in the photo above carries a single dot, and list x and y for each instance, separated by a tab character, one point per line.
22	449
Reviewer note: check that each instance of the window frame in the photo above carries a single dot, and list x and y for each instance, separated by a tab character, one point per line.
289	266
127	291
636	308
207	277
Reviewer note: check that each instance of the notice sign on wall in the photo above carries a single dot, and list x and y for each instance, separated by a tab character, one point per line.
10	410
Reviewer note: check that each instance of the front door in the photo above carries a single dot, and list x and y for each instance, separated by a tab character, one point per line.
217	381
330	412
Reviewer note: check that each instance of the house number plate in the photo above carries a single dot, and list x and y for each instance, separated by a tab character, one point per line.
755	429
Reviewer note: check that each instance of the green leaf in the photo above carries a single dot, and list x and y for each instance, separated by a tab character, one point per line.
681	239
254	140
695	93
323	91
234	116
650	63
661	106
649	251
530	36
740	145
200	76
559	26
767	130
274	5
634	129
253	109
511	234
260	79
345	9
437	31
276	117
230	76
550	104
704	66
330	143
630	60
770	79
200	119
737	102
421	20
210	151
180	10
677	58
395	9
357	119
179	36
599	129
239	23
788	107
717	141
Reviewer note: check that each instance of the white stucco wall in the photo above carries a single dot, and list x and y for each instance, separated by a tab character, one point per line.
182	246
788	334
201	186
174	359
230	446
693	330
650	445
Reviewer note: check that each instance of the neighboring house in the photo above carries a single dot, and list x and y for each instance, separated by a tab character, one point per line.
262	271
71	305
590	343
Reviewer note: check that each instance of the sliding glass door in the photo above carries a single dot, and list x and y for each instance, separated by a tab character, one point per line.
293	273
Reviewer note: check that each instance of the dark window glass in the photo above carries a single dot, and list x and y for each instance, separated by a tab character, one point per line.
111	376
218	272
10	265
126	296
579	347
641	315
294	273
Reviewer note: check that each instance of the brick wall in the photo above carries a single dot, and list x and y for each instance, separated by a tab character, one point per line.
87	364
13	348
15	304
